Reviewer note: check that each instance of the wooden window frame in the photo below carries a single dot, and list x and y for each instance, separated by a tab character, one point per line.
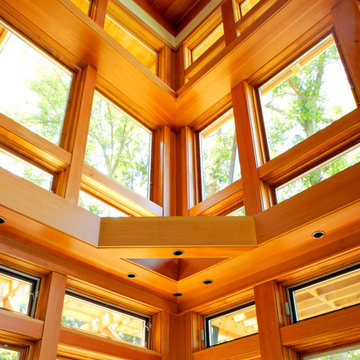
23	351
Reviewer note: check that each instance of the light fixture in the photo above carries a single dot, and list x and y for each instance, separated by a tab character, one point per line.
177	294
318	234
131	275
178	252
2	220
207	282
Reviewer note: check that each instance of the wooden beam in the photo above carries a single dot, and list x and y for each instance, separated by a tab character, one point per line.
228	18
84	344
243	116
20	326
50	310
270	318
333	329
247	348
78	145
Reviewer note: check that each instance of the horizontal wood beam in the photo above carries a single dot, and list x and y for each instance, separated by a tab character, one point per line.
20	326
247	348
88	344
337	328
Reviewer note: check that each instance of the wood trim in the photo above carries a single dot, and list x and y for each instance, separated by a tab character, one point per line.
247	348
180	67
52	305
160	336
99	11
333	329
81	343
228	18
243	116
269	318
167	66
20	326
117	194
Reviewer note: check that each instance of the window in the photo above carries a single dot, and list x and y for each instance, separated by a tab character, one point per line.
350	353
91	315
34	89
98	207
246	6
84	5
7	353
231	325
118	146
329	293
134	44
25	170
18	291
220	165
238	212
332	167
305	97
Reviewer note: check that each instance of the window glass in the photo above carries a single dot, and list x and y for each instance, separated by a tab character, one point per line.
315	176
25	170
210	40
6	354
238	212
350	353
247	5
220	164
98	207
132	44
16	292
330	293
118	146
84	5
306	97
104	321
231	325
34	89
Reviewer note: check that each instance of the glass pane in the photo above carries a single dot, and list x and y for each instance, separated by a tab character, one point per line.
118	146
132	44
247	5
98	207
6	354
325	296
306	97
232	326
34	89
15	294
25	170
238	212
210	40
315	176
102	321
220	164
84	5
350	353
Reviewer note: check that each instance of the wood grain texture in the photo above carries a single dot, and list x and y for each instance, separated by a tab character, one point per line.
228	17
160	339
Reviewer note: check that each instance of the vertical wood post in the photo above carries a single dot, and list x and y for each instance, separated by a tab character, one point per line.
98	11
167	66
249	173
50	310
270	319
180	67
228	17
69	183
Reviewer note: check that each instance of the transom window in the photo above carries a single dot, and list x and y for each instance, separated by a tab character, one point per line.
220	165
246	6
231	324
9	353
34	89
91	315
305	97
118	146
349	353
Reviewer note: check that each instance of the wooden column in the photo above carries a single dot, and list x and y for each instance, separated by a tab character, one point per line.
69	182
347	28
180	67
166	70
250	178
164	170
185	175
228	17
270	319
98	11
160	335
50	310
192	329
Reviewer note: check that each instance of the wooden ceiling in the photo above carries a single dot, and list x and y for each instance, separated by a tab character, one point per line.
173	14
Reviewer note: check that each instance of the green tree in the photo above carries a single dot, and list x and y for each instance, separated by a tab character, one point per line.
8	355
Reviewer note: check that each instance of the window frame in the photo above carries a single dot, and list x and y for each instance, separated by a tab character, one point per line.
104	303
208	318
35	287
23	351
312	281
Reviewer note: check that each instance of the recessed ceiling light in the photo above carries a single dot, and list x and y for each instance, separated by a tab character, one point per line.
177	294
318	234
178	252
131	276
207	282
2	220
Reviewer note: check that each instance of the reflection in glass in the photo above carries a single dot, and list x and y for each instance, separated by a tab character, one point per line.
350	353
